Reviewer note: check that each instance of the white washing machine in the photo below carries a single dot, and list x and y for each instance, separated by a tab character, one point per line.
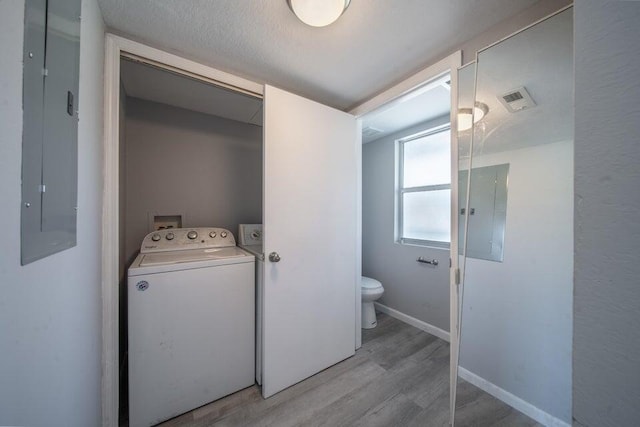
191	322
250	239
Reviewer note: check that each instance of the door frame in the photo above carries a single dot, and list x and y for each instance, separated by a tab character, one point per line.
115	47
385	99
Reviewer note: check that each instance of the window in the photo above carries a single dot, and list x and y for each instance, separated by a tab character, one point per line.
424	190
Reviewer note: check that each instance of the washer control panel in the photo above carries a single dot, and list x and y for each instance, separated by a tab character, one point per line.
176	239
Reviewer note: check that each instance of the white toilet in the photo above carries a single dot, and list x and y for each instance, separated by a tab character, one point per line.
371	291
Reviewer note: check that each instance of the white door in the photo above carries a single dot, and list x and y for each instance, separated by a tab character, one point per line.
310	176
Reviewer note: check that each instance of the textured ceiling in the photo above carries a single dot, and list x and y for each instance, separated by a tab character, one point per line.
375	44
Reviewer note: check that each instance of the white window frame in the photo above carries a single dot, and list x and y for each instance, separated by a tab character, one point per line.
401	190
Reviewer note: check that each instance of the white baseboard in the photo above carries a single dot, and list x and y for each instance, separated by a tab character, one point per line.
512	400
440	333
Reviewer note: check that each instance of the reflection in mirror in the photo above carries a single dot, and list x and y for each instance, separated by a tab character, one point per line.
487	214
515	326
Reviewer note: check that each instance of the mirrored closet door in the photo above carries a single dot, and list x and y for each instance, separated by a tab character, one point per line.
515	137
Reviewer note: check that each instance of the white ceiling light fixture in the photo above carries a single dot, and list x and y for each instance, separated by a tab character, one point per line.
467	117
318	13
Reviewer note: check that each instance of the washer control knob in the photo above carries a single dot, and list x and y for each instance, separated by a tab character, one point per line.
155	237
212	234
223	234
170	236
192	234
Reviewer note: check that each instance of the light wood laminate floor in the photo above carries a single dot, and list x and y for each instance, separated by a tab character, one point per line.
400	377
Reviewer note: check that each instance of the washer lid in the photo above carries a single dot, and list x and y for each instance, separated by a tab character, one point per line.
162	258
369	283
254	249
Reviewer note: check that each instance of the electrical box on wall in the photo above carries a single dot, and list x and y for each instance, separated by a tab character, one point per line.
51	63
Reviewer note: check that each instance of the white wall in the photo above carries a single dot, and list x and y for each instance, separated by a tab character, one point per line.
517	314
50	310
418	290
606	381
179	161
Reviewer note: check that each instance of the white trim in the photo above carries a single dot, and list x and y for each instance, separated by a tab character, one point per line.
428	328
178	63
115	46
425	76
358	310
110	209
401	190
454	302
512	400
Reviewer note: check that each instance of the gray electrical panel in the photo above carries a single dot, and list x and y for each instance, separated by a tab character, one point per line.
487	211
50	127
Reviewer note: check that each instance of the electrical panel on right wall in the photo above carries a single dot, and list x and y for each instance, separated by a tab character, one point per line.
487	214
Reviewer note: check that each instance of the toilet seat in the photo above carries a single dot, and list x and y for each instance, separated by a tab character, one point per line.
369	284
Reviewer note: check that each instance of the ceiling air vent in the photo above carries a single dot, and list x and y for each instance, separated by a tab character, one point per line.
369	132
514	96
517	100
